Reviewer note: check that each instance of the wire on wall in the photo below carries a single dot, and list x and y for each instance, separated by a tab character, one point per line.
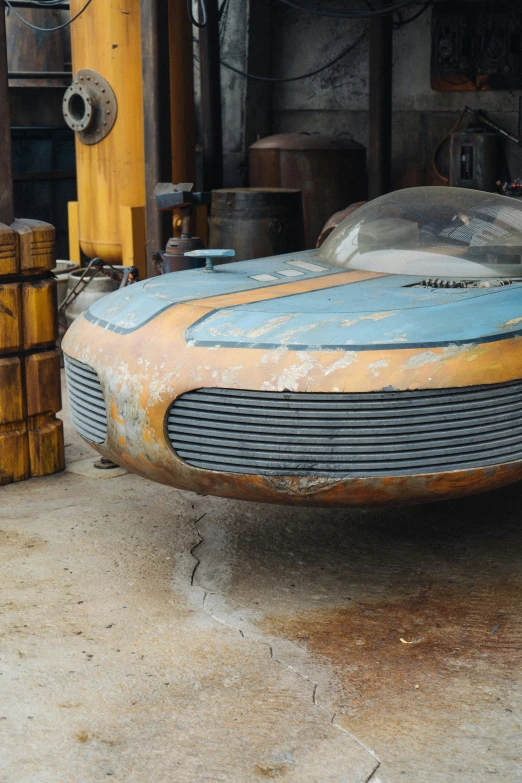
46	29
203	14
308	75
342	13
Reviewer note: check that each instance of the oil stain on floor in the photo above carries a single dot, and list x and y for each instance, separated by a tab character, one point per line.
415	613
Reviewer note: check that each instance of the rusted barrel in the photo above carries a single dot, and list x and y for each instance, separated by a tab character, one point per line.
257	222
329	170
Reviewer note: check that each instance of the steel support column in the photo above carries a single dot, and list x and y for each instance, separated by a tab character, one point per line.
380	106
211	128
156	119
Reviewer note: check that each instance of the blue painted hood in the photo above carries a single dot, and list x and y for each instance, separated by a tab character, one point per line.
385	312
382	312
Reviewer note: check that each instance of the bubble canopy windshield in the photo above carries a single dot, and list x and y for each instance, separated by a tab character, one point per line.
431	232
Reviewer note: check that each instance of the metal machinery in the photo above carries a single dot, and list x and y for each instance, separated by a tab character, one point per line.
106	107
476	159
182	203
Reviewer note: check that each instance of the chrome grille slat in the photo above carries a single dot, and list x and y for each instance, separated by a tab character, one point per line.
91	403
234	419
338	445
398	426
88	412
363	434
282	400
83	389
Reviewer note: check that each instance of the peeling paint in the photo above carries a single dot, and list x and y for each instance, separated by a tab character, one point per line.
376	366
429	357
268	326
369	317
510	323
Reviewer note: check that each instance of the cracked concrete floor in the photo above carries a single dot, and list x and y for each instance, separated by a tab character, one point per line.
150	634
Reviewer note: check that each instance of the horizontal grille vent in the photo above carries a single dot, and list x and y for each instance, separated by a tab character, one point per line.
84	390
352	435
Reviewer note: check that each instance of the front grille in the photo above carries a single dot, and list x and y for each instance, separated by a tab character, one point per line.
84	390
353	435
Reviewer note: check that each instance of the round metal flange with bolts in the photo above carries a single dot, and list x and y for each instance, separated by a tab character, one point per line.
89	106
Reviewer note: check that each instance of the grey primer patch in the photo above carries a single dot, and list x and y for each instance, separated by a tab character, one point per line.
263	278
308	266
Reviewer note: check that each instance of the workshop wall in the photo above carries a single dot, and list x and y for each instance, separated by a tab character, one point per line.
336	100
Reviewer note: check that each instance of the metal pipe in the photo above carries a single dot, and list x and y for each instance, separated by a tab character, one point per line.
40	75
501	131
182	108
6	172
211	127
380	106
32	6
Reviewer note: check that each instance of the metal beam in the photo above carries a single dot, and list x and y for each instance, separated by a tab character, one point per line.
380	106
6	172
156	119
211	128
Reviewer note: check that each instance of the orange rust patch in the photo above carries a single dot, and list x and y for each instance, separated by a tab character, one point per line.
114	412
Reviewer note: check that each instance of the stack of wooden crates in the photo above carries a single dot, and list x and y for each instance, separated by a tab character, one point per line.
31	437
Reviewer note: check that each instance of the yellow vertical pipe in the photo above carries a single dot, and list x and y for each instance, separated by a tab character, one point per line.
106	38
74	232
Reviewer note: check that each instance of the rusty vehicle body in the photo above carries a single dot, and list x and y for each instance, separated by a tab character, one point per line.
383	368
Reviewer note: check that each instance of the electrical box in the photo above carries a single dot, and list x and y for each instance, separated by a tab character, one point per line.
476	45
474	160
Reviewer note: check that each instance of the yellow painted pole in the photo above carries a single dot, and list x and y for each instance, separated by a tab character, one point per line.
111	173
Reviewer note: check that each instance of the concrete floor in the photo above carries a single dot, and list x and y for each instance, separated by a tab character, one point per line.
149	634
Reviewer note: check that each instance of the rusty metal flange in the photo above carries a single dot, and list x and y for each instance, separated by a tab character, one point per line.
90	107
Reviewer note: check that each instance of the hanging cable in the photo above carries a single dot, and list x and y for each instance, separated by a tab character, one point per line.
47	29
341	13
439	146
403	22
340	56
203	9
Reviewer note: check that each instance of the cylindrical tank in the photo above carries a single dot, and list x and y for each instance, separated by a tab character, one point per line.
61	271
257	222
104	106
95	289
106	40
330	171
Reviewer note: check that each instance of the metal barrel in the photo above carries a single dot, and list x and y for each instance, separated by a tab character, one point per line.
330	171
257	222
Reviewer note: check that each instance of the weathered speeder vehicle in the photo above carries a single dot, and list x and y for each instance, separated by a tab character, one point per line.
385	367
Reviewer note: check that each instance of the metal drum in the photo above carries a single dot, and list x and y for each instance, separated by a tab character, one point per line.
330	171
257	222
99	286
61	271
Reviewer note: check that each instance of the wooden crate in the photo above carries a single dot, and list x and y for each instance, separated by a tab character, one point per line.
31	436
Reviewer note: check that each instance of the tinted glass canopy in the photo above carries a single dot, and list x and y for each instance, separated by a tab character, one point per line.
431	231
